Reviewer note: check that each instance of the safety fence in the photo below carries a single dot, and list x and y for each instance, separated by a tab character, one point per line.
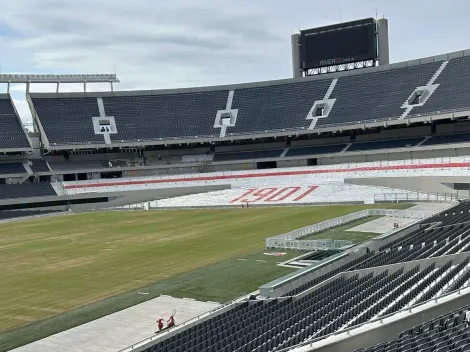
292	239
419	197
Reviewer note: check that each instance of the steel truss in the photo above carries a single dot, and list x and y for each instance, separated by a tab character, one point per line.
339	68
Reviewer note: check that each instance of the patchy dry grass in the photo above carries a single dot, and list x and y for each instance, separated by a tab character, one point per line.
51	266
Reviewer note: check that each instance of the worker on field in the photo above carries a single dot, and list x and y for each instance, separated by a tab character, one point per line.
171	322
160	324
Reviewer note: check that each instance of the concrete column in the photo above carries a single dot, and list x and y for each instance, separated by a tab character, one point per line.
295	43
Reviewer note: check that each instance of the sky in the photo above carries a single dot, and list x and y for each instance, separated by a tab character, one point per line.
154	44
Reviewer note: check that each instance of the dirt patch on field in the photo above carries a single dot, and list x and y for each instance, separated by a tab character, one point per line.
45	309
69	264
24	318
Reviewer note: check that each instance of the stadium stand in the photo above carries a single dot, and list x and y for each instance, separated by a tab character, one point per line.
338	299
12	168
262	107
39	165
286	177
26	190
342	302
14	214
451	95
12	133
449	332
138	118
65	122
276	107
376	95
275	194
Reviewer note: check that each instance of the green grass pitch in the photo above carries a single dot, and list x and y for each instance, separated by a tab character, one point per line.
53	266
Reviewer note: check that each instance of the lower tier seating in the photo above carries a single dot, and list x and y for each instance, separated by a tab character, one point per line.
26	190
5	215
341	303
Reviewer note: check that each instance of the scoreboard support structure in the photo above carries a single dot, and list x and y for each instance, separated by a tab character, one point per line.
340	47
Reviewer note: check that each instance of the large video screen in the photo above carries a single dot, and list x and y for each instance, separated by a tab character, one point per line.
336	45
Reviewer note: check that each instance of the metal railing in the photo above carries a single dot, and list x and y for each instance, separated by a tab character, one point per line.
416	196
141	343
291	239
254	134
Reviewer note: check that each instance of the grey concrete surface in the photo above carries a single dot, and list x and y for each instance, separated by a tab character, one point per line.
120	330
385	224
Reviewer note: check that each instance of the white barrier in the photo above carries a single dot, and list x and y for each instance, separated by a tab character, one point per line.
291	240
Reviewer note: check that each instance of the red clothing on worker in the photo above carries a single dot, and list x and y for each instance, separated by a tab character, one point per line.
171	322
160	324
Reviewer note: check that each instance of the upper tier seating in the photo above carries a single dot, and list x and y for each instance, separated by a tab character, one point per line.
12	168
359	97
138	118
376	95
68	121
452	93
12	134
26	190
276	107
346	300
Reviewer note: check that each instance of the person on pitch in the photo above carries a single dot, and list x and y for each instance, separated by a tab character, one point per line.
160	324
171	321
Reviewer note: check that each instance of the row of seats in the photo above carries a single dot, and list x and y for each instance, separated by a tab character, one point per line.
282	323
12	133
12	168
447	333
26	190
39	165
337	148
285	106
12	214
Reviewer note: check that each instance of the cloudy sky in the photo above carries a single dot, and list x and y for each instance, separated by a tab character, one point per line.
181	43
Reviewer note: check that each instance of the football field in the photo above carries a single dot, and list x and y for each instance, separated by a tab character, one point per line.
54	265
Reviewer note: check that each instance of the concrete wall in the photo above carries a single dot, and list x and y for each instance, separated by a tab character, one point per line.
321	141
261	146
117	199
107	156
453	128
425	184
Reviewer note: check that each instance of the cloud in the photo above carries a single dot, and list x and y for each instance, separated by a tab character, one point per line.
181	43
157	43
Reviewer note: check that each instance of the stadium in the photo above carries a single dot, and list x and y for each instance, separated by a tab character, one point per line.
324	212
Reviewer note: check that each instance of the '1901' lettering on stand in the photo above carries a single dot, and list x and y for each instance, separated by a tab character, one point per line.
274	194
